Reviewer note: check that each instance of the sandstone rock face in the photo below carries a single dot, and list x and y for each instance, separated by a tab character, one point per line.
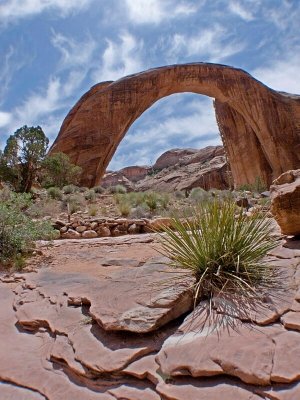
210	174
259	126
285	194
172	157
178	169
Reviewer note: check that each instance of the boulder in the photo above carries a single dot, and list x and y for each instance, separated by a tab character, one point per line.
89	234
71	234
285	206
103	231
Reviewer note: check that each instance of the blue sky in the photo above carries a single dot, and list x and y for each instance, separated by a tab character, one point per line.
52	51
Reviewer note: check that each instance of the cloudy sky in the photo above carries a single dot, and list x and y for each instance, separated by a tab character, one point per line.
52	51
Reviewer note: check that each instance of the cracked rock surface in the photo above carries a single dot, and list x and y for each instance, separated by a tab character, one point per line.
79	327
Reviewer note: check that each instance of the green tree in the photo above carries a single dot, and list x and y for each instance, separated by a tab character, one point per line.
22	157
59	171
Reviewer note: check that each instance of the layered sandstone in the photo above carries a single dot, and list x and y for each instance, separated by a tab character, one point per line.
259	127
176	169
107	319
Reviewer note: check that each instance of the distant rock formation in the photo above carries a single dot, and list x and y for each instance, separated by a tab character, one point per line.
260	127
176	169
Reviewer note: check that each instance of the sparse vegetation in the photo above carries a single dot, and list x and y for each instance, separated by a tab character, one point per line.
124	208
55	193
257	187
90	195
118	189
17	230
68	189
222	248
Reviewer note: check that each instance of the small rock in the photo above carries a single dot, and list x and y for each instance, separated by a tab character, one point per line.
81	228
71	234
103	231
63	229
94	225
89	234
134	229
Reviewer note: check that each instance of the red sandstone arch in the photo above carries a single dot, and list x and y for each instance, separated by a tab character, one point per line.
260	127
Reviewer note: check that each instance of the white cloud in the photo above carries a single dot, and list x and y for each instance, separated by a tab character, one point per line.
213	44
155	11
15	9
41	108
240	10
120	59
5	118
73	53
281	74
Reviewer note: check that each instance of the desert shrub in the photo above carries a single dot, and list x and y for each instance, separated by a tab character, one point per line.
99	189
68	189
179	195
55	193
74	202
18	231
118	189
92	210
257	187
90	195
164	201
198	195
140	211
223	249
43	207
124	208
152	200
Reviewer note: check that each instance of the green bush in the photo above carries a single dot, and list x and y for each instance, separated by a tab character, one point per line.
118	189
55	193
257	187
124	208
152	200
198	195
57	170
90	195
68	189
223	249
74	202
99	189
18	231
93	209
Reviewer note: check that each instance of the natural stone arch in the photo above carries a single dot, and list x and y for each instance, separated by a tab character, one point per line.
260	127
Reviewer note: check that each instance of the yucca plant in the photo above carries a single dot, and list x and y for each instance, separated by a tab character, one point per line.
223	249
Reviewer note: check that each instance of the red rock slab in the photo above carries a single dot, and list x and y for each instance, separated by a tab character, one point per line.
140	300
291	320
83	343
188	389
242	351
144	368
23	360
286	362
10	392
125	392
281	392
